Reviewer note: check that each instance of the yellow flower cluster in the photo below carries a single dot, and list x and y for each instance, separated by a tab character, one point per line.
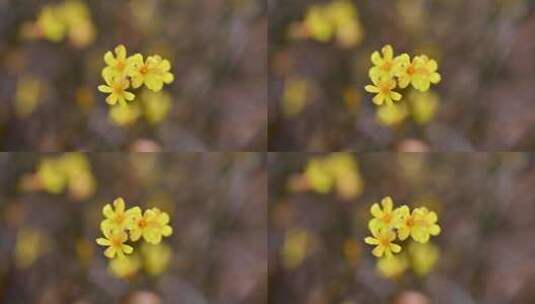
421	107
338	20
338	171
389	72
388	224
121	224
70	19
122	72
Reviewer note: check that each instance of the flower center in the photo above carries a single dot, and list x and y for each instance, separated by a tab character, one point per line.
116	242
384	87
387	65
411	70
144	69
387	217
118	88
121	64
119	218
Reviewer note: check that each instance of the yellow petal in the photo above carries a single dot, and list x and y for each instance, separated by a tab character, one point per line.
395	248
388	52
107	211
435	78
434	230
371	89
103	242
388	204
119	205
110	252
378	99
395	96
371	241
127	249
378	251
376	210
129	96
376	58
167	231
120	50
108	58
104	89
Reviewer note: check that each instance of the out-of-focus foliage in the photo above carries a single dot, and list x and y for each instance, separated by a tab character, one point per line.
482	200
51	57
216	253
483	101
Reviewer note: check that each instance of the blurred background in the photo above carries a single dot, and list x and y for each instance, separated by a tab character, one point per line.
51	57
319	56
50	210
319	208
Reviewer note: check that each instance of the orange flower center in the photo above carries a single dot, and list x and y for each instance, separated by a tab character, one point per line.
119	218
116	242
411	70
387	217
384	87
121	65
387	65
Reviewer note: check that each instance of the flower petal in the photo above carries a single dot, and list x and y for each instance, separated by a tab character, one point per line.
103	242
376	58
371	89
371	241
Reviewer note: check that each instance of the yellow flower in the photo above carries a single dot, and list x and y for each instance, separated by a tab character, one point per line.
392	115
425	73
423	257
382	238
152	226
126	267
406	70
154	72
407	224
51	25
115	239
318	176
385	217
392	267
425	225
383	87
317	24
384	66
117	89
119	66
156	257
118	219
156	106
139	224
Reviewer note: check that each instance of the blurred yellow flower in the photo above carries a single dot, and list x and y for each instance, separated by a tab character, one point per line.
392	115
337	170
294	96
70	170
28	95
383	88
423	257
156	106
50	23
424	106
126	267
318	24
295	248
392	267
51	176
156	258
318	176
124	116
338	19
115	240
30	245
383	239
117	89
386	217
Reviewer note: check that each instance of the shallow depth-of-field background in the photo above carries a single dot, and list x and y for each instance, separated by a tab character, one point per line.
48	90
217	204
484	204
486	57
